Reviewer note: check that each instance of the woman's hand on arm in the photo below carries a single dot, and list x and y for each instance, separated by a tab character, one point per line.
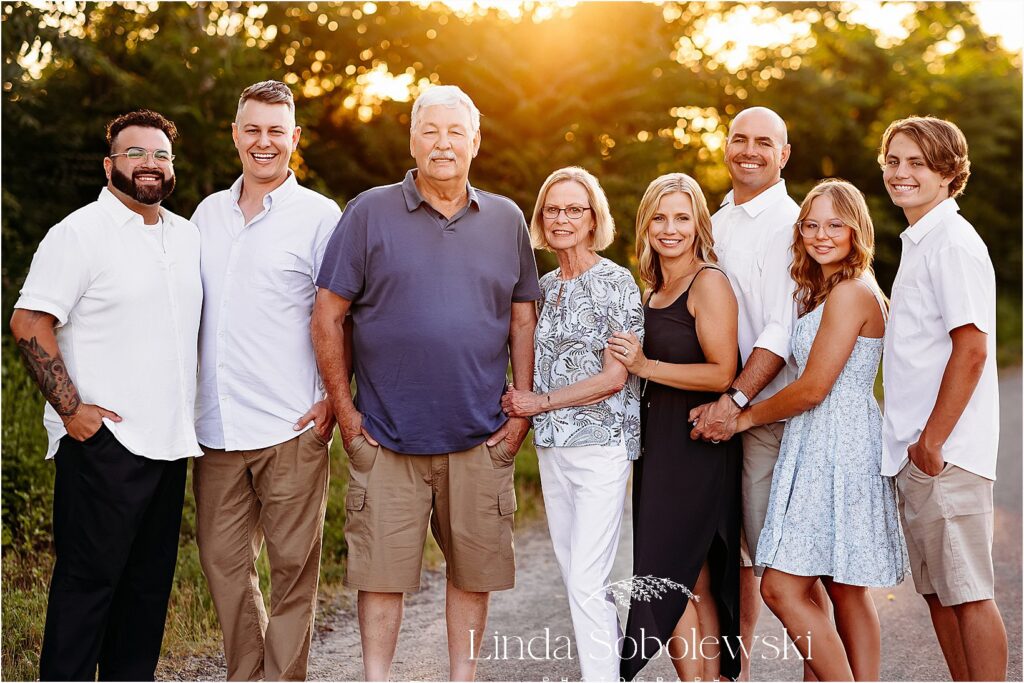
517	403
587	391
625	349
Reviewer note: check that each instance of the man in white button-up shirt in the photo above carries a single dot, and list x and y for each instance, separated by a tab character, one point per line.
261	416
941	428
107	324
753	233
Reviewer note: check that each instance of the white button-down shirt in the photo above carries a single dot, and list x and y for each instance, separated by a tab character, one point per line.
127	306
257	370
945	281
754	242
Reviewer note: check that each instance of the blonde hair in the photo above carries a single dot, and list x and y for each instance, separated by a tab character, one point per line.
604	225
812	288
703	242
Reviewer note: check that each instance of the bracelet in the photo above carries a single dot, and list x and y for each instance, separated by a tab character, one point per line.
643	390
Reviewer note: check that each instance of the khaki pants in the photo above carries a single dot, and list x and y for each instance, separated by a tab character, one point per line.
760	453
243	497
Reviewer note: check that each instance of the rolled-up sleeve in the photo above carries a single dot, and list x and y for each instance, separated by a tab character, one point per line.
777	289
59	274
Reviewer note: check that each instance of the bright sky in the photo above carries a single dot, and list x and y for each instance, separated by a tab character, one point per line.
1003	18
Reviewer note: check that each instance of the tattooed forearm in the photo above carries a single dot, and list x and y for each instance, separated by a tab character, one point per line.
51	375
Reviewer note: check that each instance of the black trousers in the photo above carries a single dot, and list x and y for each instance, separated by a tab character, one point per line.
116	519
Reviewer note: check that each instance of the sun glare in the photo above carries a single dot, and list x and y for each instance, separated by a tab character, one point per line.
732	37
511	10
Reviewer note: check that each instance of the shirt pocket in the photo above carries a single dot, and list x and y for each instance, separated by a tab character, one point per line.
285	273
909	308
742	269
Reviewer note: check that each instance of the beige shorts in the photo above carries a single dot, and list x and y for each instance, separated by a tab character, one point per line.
947	520
760	453
468	497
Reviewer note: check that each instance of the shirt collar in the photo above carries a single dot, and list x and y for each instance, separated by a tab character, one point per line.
928	222
276	195
755	206
118	211
413	198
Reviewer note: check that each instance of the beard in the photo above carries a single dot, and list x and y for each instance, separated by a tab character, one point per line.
145	194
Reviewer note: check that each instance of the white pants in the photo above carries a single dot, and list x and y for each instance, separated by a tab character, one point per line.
584	492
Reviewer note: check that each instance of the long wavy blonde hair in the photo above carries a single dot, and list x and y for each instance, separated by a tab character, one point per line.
812	288
703	242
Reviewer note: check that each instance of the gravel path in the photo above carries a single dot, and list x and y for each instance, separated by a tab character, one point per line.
538	607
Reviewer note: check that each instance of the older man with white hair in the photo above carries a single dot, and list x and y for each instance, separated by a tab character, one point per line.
440	280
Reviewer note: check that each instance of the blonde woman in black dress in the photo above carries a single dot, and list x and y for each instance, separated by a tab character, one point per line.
685	492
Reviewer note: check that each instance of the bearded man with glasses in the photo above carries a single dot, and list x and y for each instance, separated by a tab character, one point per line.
107	323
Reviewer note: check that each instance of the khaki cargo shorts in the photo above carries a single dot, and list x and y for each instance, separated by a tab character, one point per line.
468	498
947	520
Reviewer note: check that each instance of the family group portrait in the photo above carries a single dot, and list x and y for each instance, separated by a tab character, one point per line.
511	340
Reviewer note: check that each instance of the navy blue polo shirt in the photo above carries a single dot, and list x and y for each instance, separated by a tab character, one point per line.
431	306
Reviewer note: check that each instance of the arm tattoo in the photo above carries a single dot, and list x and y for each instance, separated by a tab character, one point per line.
52	377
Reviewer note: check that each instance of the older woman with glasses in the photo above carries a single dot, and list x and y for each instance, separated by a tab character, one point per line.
585	407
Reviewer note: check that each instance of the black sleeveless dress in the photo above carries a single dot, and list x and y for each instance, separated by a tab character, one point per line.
686	505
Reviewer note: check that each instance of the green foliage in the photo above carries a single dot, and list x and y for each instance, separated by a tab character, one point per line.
27	482
598	85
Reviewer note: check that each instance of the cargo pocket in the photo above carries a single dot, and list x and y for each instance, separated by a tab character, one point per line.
506	509
355	499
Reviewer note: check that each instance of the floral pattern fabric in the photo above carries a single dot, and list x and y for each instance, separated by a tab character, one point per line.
831	512
575	320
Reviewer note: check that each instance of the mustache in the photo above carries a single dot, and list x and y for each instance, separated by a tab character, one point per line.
444	156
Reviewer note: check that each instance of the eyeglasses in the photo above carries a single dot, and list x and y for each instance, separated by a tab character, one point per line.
573	213
161	156
833	228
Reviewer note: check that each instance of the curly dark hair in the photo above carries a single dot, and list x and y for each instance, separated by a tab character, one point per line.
141	117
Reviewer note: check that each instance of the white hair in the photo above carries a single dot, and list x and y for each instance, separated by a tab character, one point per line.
448	95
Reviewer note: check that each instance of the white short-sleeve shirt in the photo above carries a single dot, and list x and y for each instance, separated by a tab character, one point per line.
753	242
127	306
257	369
945	280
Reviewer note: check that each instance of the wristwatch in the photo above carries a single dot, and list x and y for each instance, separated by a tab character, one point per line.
738	397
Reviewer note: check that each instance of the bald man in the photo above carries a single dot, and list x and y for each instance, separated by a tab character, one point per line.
753	233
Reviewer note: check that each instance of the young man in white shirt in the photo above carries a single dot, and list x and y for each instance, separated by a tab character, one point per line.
753	233
261	416
107	324
941	427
